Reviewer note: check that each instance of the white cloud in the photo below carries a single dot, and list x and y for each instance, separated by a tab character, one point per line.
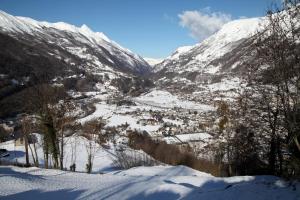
203	23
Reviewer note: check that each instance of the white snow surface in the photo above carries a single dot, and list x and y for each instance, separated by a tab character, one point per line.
102	162
157	183
115	116
194	137
189	137
117	120
179	51
164	99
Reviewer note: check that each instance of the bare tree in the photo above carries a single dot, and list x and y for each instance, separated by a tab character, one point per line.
92	131
42	101
63	118
28	126
26	130
274	83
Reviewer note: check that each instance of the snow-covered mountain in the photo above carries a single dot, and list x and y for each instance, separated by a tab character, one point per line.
217	60
70	44
201	55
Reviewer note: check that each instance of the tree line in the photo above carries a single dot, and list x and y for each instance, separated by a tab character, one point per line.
261	129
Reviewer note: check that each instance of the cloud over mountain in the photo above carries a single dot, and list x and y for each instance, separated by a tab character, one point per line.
202	24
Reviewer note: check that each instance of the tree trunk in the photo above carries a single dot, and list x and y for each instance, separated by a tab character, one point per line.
272	154
297	143
279	155
46	155
230	172
62	150
26	150
32	155
36	156
53	144
89	164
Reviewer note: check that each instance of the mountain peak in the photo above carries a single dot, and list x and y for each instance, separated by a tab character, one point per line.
84	27
153	61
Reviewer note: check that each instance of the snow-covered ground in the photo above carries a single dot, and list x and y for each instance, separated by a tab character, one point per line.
108	182
116	116
192	137
164	99
75	151
117	120
157	183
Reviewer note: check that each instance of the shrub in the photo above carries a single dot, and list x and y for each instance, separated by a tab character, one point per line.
171	154
128	159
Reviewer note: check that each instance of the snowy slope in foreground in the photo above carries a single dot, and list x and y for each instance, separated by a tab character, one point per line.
139	183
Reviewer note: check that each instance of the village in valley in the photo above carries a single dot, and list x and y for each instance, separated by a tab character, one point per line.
173	121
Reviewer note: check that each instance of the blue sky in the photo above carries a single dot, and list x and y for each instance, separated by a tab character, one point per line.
151	28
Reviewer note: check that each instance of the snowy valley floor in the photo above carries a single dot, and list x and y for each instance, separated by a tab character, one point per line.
159	182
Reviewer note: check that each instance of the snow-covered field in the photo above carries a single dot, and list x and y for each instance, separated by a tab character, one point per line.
157	183
116	116
193	137
164	99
